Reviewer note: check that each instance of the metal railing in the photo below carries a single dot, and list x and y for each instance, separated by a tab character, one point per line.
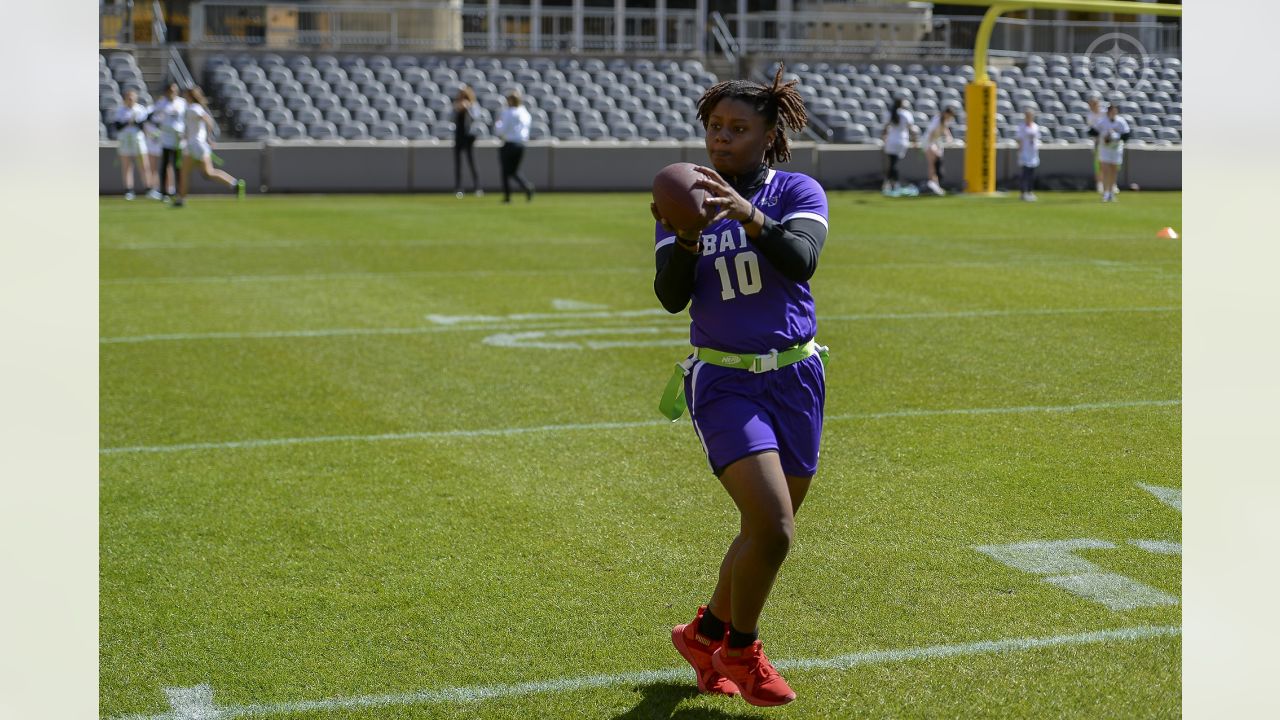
865	32
1018	37
408	25
550	30
724	39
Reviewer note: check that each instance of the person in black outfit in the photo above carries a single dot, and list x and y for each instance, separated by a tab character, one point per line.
466	117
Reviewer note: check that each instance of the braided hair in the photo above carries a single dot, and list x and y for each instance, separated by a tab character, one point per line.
780	102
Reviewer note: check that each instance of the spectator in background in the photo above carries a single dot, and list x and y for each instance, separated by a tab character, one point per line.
513	127
132	144
168	116
155	154
939	132
898	134
198	126
1113	130
1028	136
466	115
1096	115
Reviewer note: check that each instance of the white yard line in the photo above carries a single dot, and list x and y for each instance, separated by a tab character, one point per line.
196	703
460	323
324	277
571	427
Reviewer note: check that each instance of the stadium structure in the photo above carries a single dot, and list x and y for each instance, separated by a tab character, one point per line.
356	96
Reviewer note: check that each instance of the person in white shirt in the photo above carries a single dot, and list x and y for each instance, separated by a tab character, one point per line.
1096	115
939	132
198	124
1028	136
1113	130
513	127
898	134
167	116
132	148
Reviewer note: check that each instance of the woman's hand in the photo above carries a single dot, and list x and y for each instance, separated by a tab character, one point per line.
722	196
687	238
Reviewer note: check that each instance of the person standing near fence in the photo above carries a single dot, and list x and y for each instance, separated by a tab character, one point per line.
898	134
1113	130
939	132
466	116
1028	135
132	143
1096	115
168	116
513	127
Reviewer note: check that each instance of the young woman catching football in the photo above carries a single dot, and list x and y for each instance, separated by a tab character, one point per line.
755	386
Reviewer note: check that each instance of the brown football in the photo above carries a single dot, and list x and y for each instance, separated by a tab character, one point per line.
678	201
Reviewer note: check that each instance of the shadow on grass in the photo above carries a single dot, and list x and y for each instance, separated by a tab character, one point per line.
659	701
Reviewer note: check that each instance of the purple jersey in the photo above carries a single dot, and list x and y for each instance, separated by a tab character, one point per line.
740	302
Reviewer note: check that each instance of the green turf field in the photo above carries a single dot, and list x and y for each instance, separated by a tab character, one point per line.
399	457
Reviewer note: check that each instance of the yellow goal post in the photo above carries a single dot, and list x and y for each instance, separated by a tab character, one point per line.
980	95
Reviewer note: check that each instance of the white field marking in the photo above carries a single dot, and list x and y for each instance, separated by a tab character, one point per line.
565	304
311	277
1056	560
1160	547
192	703
447	323
1167	495
503	432
477	693
541	338
519	317
321	277
956	314
345	245
318	333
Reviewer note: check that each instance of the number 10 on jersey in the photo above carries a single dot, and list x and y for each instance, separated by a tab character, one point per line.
747	268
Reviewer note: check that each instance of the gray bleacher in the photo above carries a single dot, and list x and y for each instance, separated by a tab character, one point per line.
358	97
849	102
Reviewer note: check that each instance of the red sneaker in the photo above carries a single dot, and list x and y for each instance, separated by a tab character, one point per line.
697	649
754	675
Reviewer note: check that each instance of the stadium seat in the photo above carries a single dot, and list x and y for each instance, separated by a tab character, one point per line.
1168	133
322	131
384	130
258	131
290	130
652	131
681	131
354	130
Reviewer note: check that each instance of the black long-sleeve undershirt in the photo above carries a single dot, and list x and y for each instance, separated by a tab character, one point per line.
792	249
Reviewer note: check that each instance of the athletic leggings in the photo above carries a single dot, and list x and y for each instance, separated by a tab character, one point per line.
464	149
511	154
1028	179
168	158
892	175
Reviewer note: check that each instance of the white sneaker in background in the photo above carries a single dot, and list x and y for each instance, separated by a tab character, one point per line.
935	188
128	195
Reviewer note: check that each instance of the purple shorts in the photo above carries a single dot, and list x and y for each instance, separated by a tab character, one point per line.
737	413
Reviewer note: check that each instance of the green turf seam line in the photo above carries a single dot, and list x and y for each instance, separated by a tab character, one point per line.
569	427
488	320
197	702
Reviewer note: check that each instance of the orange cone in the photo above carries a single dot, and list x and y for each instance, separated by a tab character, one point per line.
1168	234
